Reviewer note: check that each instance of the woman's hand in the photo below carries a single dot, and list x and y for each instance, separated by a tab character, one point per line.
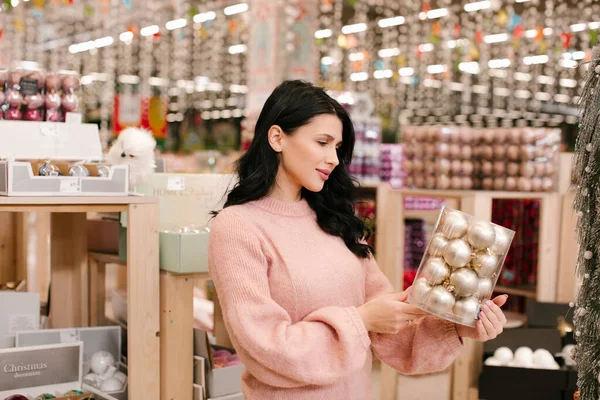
490	324
389	313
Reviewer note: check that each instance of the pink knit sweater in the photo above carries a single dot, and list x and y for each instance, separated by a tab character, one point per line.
289	293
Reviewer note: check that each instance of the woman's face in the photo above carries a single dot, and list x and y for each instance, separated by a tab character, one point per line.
309	155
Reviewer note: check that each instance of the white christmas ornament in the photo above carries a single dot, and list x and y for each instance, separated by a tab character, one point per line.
500	245
492	361
435	271
597	69
543	359
440	300
588	255
121	377
484	288
466	309
438	245
101	361
485	264
454	225
458	253
464	281
524	357
481	234
420	290
504	355
588	147
111	385
567	355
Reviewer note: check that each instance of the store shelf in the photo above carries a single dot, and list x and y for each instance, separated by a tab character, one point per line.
523	291
427	215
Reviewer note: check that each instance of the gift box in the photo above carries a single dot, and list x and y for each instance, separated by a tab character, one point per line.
460	267
43	159
105	339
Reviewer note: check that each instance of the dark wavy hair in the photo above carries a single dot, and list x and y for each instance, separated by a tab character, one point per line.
292	105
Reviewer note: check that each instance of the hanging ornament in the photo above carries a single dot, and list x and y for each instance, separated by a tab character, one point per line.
566	40
588	255
518	32
593	37
436	28
513	21
479	37
456	31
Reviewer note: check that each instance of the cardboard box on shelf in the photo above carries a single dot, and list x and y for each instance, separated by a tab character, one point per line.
19	311
26	145
220	382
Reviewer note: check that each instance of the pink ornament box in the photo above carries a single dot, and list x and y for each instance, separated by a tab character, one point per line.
460	267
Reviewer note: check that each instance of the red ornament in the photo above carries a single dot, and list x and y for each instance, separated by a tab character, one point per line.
426	6
479	37
518	32
456	30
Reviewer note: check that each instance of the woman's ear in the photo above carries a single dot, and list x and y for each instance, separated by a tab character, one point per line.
275	136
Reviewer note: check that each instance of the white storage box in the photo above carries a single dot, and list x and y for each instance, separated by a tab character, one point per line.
26	144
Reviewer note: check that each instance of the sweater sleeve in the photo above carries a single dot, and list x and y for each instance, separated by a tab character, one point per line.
326	345
429	344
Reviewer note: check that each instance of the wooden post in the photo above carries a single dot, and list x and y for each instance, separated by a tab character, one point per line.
69	279
8	271
177	336
97	293
143	302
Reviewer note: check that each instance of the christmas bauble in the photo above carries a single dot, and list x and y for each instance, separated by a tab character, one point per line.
484	288
438	245
70	83
101	361
567	354
34	101
481	234
16	397
502	242
70	102
52	82
503	354
52	101
457	253
420	290
103	171
543	358
466	309
111	385
78	170
464	281
453	225
485	264
435	271
92	380
121	377
14	98
491	361
524	357
440	300
34	115
48	169
13	114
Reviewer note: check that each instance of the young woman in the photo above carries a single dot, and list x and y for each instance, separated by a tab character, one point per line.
303	299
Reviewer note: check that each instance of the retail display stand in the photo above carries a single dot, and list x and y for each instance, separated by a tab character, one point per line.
69	272
467	366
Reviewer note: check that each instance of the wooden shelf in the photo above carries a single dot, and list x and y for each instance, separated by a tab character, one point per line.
427	215
524	291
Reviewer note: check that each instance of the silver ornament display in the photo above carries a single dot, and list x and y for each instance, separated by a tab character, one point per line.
435	271
453	225
458	253
78	170
438	245
440	301
464	281
481	234
420	290
500	245
103	171
485	264
484	288
466	309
